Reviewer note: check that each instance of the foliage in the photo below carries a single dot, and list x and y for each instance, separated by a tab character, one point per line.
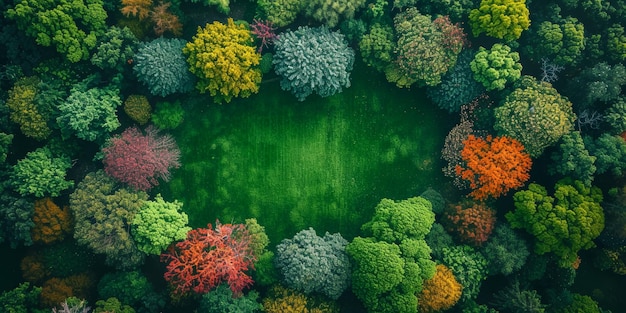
64	259
458	85
89	113
441	292
131	288
562	41
280	12
223	57
20	299
615	116
71	26
310	263
395	221
600	83
15	217
506	251
136	8
496	67
51	222
451	151
138	108
5	142
563	224
502	19
612	259
377	46
168	115
28	178
436	199
513	299
56	290
114	48
112	305
259	239
140	159
472	222
437	239
72	305
469	267
209	257
160	65
572	159
313	60
329	12
425	49
582	303
610	153
223	300
164	21
458	10
493	166
535	114
103	215
24	110
221	5
616	43
284	300
157	224
264	31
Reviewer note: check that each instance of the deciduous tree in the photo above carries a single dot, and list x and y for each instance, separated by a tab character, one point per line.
329	12
572	159
472	222
505	251
441	292
52	223
468	266
157	224
502	19
29	179
138	108
496	67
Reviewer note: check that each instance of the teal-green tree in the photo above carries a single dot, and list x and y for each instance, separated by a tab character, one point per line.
161	65
157	224
496	67
41	174
115	49
562	224
562	41
502	19
572	159
535	114
103	216
71	26
610	153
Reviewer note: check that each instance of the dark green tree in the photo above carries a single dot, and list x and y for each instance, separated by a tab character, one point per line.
506	251
115	49
22	299
329	13
280	12
131	288
16	216
5	143
377	46
615	116
469	267
516	300
112	305
168	115
572	159
601	83
221	300
610	153
561	42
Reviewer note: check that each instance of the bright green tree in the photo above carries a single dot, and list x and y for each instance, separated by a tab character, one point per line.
496	67
41	174
395	221
225	60
563	224
502	19
71	26
535	114
157	224
572	159
22	299
329	12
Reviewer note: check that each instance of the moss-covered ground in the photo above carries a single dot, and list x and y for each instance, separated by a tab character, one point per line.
322	163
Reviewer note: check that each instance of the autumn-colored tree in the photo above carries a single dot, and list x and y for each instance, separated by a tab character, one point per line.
51	222
264	31
225	61
55	290
33	267
493	166
209	257
136	8
441	292
24	111
165	21
138	108
472	222
284	300
141	159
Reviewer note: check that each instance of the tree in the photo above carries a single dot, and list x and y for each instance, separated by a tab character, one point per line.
310	263
496	67
600	83
28	178
103	215
140	159
514	299
157	224
395	221
377	46
160	65
223	6
51	222
468	266
71	26
284	300
222	300
572	159
425	49
535	114
458	10
132	288
472	222
225	61
582	303
20	299
264	31
137	8
502	19
165	21
16	216
458	86
55	290
505	251
329	13
5	143
313	60
563	224
89	113
441	292
209	257
610	153
280	12
138	108
437	239
615	116
562	41
112	305
114	49
24	110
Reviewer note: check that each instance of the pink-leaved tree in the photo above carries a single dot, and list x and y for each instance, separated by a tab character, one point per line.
264	31
140	159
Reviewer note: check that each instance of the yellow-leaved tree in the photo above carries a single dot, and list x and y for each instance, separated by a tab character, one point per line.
225	60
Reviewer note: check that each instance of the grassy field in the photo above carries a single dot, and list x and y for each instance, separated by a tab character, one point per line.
322	163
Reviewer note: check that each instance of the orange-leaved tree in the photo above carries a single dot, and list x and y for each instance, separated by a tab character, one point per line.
138	8
225	60
209	257
493	165
51	222
441	292
472	222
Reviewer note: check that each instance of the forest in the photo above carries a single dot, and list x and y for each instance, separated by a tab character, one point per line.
313	156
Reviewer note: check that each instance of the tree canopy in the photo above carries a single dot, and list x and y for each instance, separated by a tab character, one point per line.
157	224
503	19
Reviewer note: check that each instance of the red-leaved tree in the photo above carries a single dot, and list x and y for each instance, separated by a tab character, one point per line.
140	159
209	257
472	222
263	30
